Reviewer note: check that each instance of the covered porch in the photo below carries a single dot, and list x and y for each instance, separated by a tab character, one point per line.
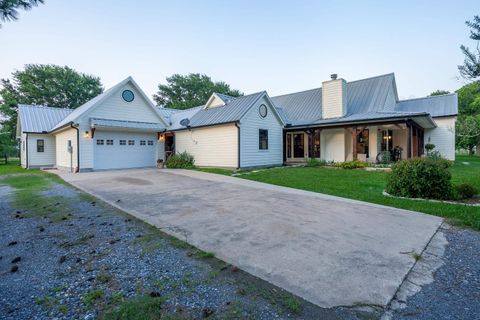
369	142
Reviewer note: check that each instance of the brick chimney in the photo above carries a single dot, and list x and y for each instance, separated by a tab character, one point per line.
334	98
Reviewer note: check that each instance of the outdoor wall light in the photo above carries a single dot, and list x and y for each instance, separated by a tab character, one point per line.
86	135
161	138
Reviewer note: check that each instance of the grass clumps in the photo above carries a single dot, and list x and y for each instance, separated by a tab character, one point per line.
91	297
138	308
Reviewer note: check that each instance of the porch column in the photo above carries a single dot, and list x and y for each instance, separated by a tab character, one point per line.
354	144
409	140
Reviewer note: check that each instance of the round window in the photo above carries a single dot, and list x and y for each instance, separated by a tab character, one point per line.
128	95
263	110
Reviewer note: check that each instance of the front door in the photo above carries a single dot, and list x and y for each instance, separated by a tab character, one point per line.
298	145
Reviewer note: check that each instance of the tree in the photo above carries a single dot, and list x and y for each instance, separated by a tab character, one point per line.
9	8
187	91
471	65
48	85
468	132
439	93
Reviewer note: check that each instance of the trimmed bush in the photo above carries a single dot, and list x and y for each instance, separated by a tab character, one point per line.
313	162
182	160
421	178
465	191
354	164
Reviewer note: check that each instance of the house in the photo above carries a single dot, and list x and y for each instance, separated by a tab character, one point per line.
341	121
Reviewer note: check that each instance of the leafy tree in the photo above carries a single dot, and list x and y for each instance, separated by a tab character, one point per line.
471	65
9	8
439	93
187	91
468	132
48	85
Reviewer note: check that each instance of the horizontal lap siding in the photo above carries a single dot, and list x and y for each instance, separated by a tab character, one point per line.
251	123
64	158
46	158
443	136
211	147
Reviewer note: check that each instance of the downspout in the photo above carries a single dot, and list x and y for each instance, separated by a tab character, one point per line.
238	142
78	147
26	150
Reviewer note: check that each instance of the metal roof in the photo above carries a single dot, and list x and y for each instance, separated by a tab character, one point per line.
437	106
232	111
108	123
225	98
375	116
40	118
178	116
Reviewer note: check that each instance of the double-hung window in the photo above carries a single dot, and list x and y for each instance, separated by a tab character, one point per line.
40	145
263	139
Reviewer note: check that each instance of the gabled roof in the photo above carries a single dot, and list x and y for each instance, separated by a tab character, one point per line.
437	106
40	119
362	96
89	105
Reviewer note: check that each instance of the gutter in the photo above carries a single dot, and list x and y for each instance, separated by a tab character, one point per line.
78	147
204	126
238	142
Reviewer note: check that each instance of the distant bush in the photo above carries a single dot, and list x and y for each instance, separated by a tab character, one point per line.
465	191
354	164
182	160
421	178
313	162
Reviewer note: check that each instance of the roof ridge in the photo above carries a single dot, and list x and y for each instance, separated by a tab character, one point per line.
287	94
429	97
374	77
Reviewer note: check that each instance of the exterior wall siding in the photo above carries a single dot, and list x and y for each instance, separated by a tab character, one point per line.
23	149
334	98
332	143
251	123
443	136
41	159
215	146
66	160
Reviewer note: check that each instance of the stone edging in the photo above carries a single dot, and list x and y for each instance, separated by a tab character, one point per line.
385	193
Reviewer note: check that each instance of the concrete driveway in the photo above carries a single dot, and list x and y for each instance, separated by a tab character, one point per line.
328	250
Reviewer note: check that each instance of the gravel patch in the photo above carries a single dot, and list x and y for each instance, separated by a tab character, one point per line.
84	264
455	291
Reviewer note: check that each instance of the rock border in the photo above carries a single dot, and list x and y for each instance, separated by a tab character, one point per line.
385	193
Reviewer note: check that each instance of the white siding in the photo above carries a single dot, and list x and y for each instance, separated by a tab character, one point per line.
161	150
251	123
23	149
41	159
333	145
66	160
211	146
116	108
334	99
86	149
443	137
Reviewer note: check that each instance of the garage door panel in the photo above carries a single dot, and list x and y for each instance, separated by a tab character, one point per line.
109	153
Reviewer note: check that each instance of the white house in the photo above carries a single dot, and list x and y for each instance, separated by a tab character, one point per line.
122	128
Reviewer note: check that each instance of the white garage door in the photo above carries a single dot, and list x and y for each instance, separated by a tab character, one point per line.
118	150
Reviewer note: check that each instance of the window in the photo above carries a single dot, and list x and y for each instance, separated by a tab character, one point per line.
150	142
109	142
142	142
40	145
263	139
131	142
100	142
362	141
123	142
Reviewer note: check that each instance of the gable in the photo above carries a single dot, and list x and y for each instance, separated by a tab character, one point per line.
114	107
214	101
253	114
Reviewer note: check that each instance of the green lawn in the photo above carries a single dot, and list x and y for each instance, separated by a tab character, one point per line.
368	186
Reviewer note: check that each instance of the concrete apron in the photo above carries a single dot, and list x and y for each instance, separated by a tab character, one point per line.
328	250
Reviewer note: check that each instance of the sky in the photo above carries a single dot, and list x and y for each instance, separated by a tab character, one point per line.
277	46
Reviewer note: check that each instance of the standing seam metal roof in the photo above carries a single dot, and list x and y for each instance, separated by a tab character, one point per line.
41	119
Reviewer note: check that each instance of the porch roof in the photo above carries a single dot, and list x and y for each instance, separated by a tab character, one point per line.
423	119
108	123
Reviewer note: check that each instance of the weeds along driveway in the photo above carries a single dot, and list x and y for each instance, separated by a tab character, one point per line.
330	251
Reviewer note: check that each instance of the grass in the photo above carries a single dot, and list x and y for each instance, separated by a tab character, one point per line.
224	172
91	297
368	186
139	308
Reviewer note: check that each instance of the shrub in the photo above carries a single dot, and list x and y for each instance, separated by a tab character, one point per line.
465	191
384	157
182	160
354	164
429	147
420	178
313	162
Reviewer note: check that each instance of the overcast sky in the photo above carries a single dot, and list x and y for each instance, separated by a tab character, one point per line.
277	46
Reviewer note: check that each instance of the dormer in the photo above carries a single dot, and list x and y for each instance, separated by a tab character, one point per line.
217	100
